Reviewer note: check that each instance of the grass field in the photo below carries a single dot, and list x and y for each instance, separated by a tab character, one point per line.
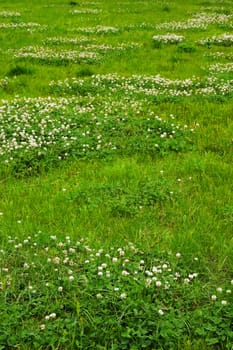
116	210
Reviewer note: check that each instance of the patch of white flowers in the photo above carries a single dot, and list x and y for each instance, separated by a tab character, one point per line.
221	68
198	21
218	40
66	270
10	14
87	11
97	30
22	25
82	43
48	55
168	38
149	85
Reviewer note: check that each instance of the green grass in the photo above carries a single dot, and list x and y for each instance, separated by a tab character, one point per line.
116	189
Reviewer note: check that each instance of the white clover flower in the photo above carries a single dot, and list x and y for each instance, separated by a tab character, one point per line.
214	297
53	237
224	302
56	260
158	283
228	291
99	296
125	273
71	278
148	282
60	289
160	312
178	255
148	273
219	289
100	273
42	327
114	260
232	282
123	296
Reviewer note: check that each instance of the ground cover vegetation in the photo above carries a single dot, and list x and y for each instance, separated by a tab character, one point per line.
116	175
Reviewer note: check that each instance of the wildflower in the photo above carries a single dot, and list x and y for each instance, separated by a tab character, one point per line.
125	273
71	278
160	312
224	302
123	296
213	297
60	289
42	327
219	289
114	260
53	238
148	273
158	284
178	255
99	296
56	260
148	282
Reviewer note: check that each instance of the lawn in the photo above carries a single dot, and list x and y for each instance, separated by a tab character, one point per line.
116	206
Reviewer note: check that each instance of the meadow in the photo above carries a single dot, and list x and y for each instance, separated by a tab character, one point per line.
116	206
